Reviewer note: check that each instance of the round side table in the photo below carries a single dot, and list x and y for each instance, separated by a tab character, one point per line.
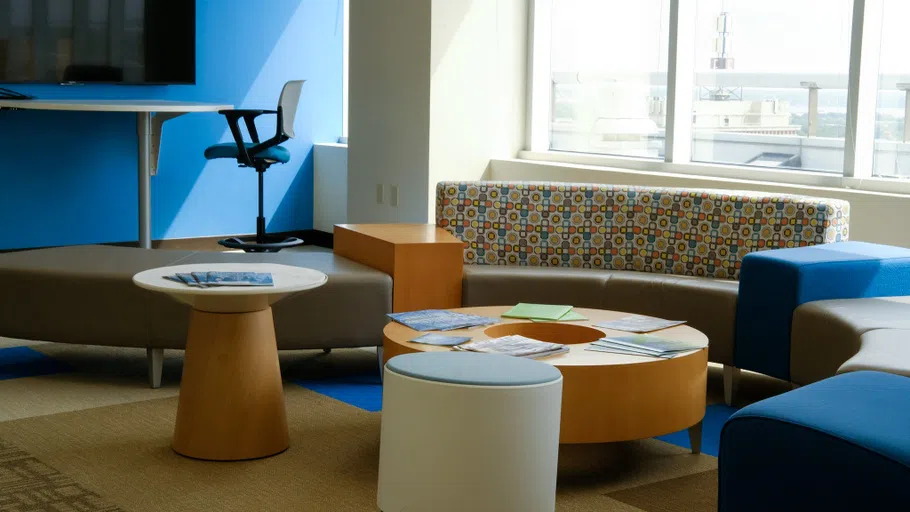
231	404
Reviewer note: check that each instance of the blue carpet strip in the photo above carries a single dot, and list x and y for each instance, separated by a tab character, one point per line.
19	362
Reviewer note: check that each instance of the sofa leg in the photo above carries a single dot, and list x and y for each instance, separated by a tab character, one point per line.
731	382
156	365
379	362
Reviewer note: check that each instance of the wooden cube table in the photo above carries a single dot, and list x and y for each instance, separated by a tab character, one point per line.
425	261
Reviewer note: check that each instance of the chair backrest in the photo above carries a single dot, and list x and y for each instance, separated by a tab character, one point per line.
287	103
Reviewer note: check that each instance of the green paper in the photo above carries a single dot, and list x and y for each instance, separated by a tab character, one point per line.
571	316
546	312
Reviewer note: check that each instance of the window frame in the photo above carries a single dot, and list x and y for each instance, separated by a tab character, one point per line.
859	141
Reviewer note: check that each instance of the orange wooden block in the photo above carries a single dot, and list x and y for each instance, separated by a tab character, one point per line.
425	262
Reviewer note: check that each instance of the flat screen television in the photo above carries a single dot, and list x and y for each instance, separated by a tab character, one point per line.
98	41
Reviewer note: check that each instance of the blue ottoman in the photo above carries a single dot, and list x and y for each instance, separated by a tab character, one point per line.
839	444
773	283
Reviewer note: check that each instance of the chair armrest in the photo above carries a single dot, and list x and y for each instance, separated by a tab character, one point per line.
233	117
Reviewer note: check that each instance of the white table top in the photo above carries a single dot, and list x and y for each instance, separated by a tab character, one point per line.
226	299
114	105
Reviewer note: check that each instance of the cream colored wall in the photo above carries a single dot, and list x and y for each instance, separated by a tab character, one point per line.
874	217
477	99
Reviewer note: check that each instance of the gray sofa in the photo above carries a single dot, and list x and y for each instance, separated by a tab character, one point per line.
85	295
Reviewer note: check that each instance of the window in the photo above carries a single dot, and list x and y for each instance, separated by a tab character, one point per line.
770	83
892	153
609	76
759	88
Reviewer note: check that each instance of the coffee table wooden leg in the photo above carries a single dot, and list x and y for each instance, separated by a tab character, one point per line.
695	437
231	404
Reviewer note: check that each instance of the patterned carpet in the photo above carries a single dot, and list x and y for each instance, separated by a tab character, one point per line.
81	431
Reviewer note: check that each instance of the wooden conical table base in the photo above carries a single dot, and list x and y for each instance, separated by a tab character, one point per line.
231	403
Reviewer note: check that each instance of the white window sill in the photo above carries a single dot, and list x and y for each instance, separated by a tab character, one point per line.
726	176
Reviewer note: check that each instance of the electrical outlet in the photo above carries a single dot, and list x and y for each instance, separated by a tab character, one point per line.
380	193
394	199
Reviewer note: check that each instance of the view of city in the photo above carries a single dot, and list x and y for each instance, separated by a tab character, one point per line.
771	82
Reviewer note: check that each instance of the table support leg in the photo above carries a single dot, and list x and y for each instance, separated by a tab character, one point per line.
231	404
695	437
144	131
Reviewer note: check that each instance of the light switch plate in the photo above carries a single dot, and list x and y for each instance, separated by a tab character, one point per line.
394	199
380	193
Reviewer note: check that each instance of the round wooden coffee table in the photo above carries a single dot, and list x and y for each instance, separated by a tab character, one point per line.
606	397
231	404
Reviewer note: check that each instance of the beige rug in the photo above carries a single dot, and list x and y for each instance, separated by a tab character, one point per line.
98	439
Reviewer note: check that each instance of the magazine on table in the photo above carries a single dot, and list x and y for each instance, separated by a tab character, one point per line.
639	324
432	338
213	279
605	346
651	344
515	345
439	320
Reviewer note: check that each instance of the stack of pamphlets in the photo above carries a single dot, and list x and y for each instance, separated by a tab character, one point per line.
544	313
439	320
213	279
515	345
644	345
639	323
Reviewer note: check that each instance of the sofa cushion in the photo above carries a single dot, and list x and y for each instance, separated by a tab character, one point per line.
499	285
614	227
882	350
708	305
827	333
85	294
82	294
774	283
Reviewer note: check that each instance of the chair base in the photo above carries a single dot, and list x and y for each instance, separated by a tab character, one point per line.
268	244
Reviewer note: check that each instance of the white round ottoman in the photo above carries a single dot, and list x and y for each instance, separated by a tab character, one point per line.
469	432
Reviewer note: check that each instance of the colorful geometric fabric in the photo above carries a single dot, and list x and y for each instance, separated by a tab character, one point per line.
662	230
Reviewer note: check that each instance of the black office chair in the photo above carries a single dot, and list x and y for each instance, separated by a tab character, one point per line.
259	156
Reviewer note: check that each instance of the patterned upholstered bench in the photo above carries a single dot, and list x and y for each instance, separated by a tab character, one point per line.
674	253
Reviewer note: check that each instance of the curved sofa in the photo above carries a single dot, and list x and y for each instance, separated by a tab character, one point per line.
85	295
672	253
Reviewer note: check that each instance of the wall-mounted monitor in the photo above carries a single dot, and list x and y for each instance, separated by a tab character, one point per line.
98	41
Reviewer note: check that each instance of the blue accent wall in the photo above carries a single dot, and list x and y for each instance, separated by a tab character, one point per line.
71	177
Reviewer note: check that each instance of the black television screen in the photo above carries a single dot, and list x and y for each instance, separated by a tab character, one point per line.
107	41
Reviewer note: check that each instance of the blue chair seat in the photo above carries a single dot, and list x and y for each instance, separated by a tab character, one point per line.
229	150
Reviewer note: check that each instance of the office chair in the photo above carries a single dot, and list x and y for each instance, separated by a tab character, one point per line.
259	156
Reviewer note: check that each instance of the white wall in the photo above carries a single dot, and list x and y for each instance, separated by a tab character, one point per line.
388	108
330	186
437	88
478	64
874	217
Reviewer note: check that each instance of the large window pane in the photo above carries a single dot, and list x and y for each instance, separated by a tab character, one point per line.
771	80
609	63
892	153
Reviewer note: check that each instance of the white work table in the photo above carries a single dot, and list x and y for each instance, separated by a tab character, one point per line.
150	118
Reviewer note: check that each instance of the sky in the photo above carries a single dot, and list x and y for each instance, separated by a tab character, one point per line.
768	35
